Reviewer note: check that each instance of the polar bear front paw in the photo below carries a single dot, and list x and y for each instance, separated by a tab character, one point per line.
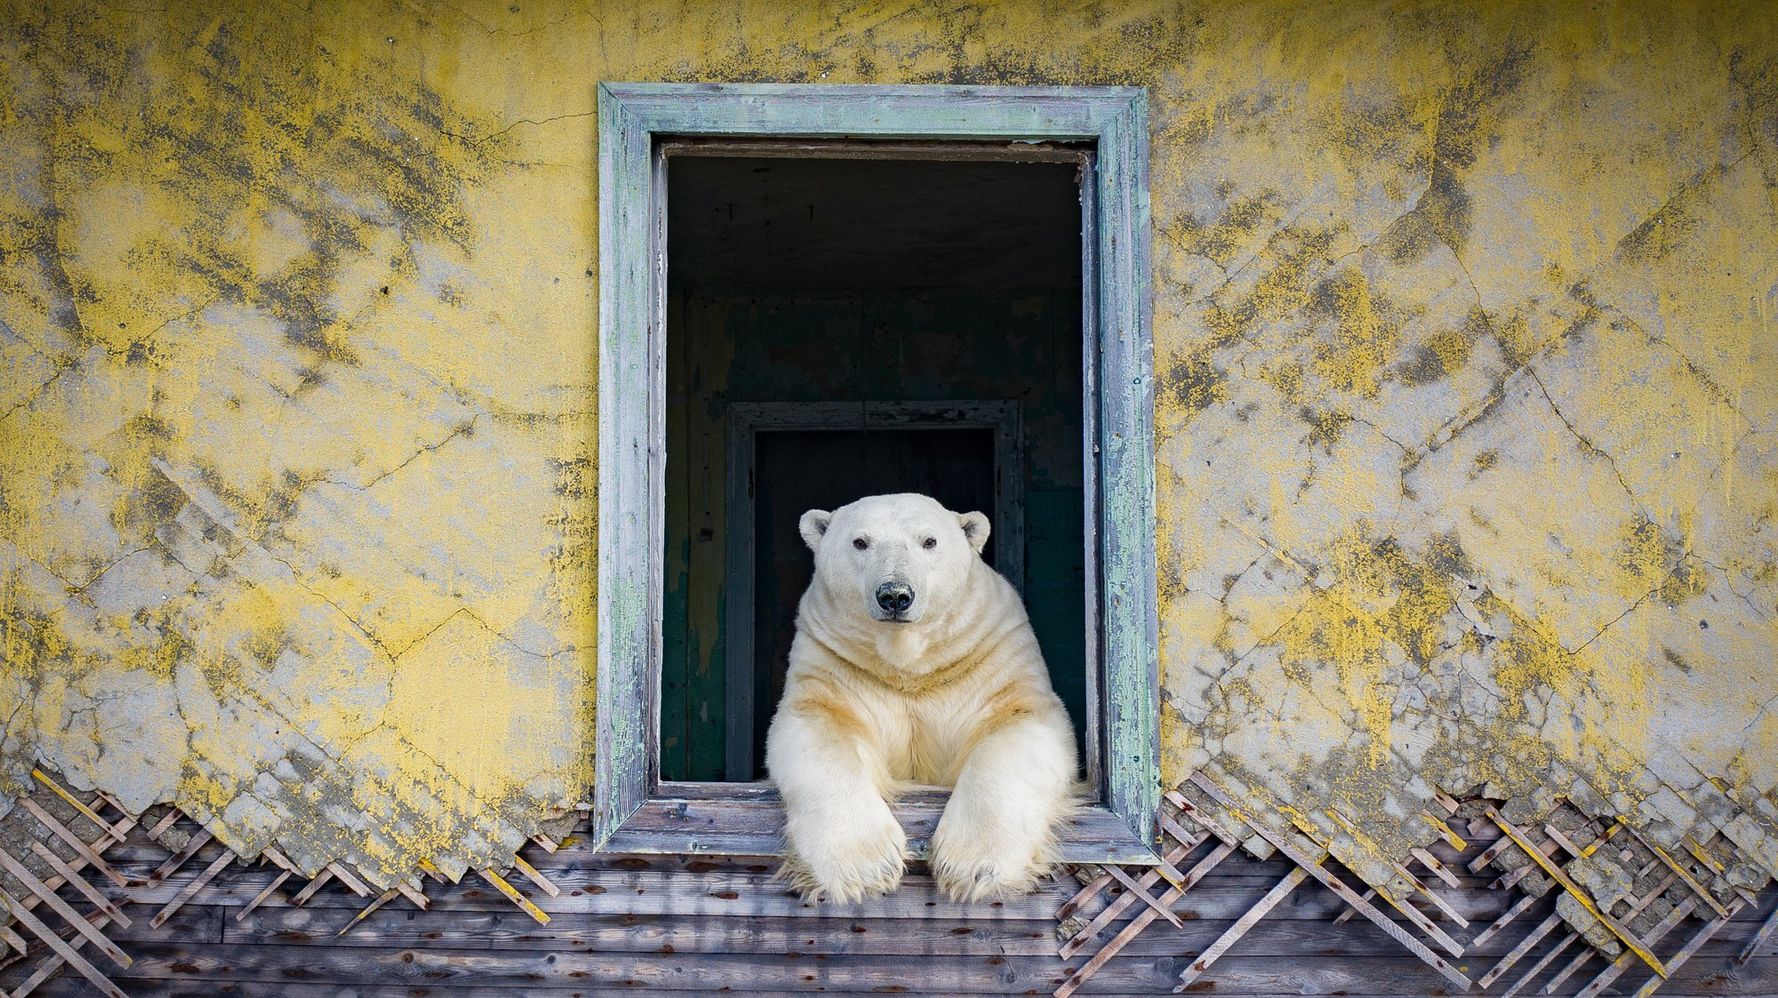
861	856
973	861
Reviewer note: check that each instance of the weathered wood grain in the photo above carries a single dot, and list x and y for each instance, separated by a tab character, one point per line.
446	969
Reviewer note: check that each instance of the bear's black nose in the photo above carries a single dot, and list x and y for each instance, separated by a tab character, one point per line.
895	597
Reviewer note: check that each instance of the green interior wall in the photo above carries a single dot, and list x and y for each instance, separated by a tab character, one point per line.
862	345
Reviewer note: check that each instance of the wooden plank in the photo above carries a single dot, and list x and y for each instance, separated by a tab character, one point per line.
660	891
753	826
1431	863
1129	932
73	959
348	878
443	971
48	896
1520	907
821	937
167	821
1580	960
51	965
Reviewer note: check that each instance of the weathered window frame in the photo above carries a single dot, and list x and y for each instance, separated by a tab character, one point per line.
633	811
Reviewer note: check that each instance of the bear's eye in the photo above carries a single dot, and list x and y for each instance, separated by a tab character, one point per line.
929	543
860	543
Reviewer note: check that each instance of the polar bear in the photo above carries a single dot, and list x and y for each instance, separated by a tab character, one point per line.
914	663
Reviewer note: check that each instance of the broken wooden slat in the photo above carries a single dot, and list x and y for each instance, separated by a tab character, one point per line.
1431	863
1686	952
190	890
52	964
1116	907
382	899
1192	811
75	842
1521	906
54	941
531	874
1345	893
1622	963
78	805
48	896
72	876
1697	888
1136	890
1448	833
1538	967
260	898
1141	921
1579	893
413	894
178	859
13	939
1087	892
311	887
167	821
1438	902
512	894
1233	934
1759	938
350	879
1580	960
1518	952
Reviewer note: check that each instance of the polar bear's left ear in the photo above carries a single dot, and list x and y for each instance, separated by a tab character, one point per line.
975	527
814	526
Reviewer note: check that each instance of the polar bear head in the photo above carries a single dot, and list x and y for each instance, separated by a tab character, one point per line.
899	558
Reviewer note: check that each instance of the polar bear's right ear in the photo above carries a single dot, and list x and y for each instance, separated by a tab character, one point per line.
814	526
975	528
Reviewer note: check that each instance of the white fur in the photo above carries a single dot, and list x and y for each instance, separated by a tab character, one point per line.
955	695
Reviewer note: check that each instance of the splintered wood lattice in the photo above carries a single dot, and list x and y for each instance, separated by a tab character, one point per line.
1566	904
1613	901
55	838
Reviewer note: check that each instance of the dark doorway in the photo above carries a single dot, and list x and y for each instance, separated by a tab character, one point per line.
822	281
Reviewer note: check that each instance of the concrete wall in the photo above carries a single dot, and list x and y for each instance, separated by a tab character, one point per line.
1464	326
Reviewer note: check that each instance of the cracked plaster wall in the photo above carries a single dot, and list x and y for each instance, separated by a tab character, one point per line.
1464	333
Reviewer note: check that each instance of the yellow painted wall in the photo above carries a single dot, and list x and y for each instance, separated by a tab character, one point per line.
1465	344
